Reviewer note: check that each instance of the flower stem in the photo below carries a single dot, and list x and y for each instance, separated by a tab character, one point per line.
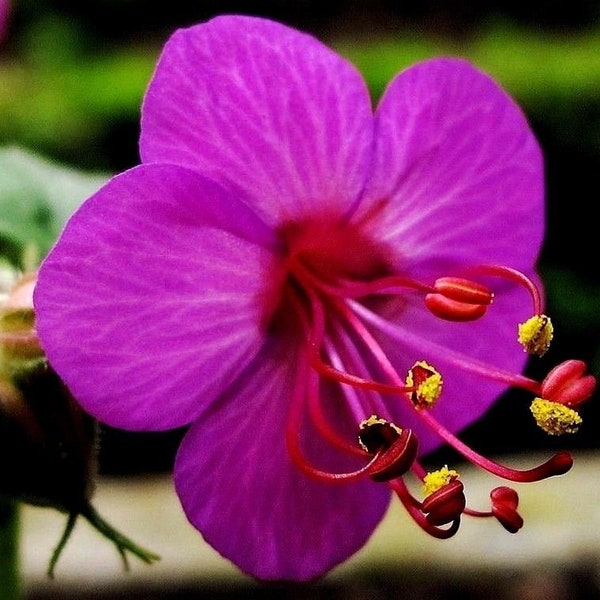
62	543
10	588
122	543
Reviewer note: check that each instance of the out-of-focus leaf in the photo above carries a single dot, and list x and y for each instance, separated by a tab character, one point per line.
574	302
530	64
64	107
37	196
554	77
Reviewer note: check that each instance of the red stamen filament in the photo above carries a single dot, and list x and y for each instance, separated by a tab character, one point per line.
319	300
346	288
514	276
303	465
557	465
354	310
311	381
358	382
293	441
413	507
320	421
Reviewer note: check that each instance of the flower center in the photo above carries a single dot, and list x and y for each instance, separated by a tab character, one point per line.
333	250
332	290
318	256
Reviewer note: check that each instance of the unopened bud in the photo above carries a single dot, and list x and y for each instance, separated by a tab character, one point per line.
20	349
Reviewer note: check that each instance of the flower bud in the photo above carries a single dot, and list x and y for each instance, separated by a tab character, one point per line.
51	441
20	349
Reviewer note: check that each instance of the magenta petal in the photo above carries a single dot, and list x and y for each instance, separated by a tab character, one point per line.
254	104
150	302
459	169
238	487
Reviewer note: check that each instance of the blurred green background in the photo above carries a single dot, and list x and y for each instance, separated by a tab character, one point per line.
72	77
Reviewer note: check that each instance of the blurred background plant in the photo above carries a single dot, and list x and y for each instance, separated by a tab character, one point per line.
72	77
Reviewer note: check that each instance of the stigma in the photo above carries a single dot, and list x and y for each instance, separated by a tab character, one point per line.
334	299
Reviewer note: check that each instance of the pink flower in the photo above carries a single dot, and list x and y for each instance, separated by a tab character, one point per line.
279	262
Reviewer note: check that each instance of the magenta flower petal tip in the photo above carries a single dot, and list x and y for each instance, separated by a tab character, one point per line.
323	293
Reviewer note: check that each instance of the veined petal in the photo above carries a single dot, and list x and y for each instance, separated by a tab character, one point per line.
458	171
265	108
458	179
238	486
151	301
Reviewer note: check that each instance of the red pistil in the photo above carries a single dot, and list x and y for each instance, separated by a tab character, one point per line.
513	276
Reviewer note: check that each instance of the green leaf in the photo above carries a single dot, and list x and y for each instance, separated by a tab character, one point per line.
573	300
37	196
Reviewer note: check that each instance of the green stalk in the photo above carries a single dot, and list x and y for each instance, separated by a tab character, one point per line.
10	588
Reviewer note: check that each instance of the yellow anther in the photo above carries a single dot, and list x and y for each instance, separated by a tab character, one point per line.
427	383
375	433
555	418
375	420
535	334
436	480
